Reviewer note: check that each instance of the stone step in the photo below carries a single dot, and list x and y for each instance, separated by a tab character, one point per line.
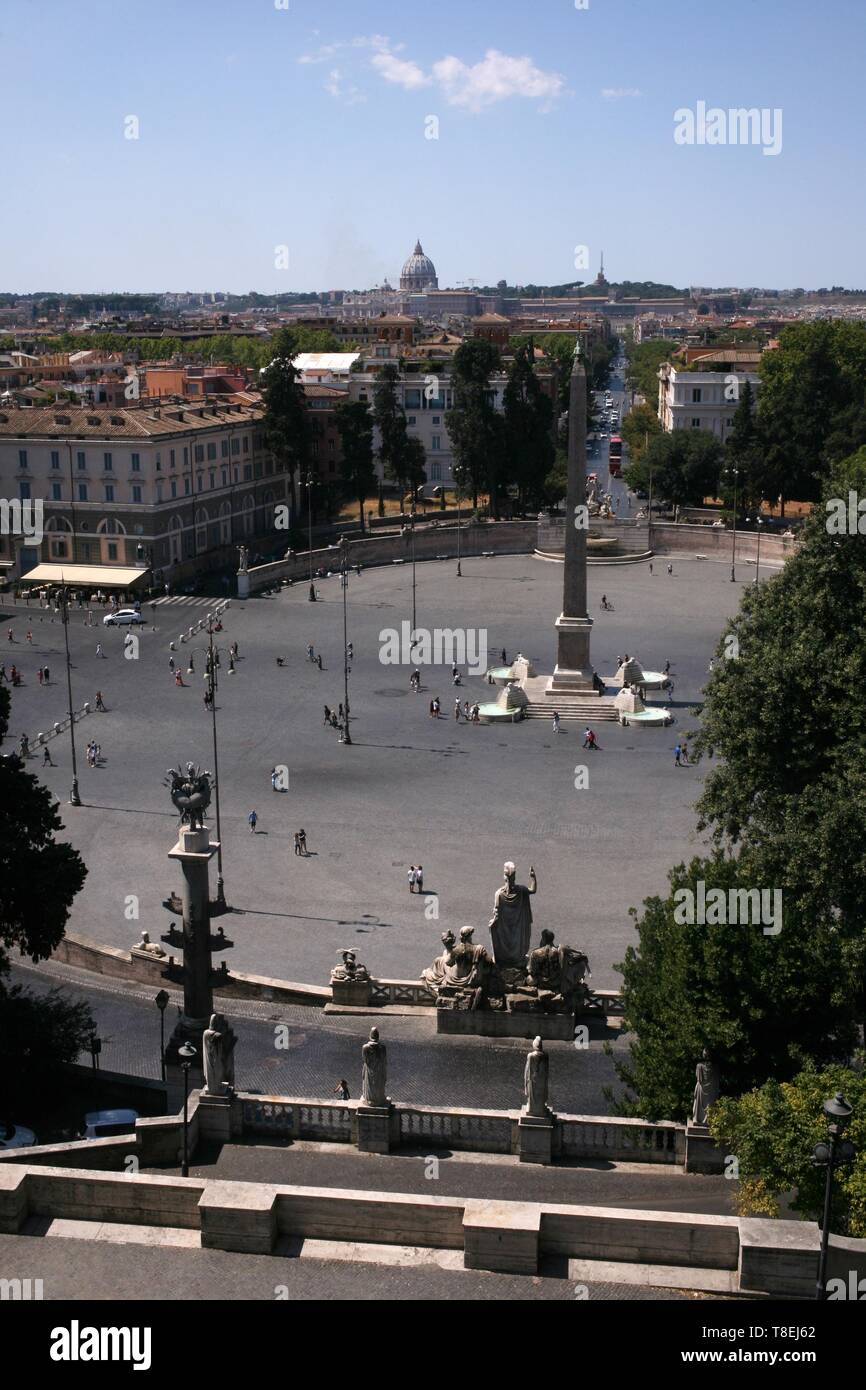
570	709
689	1278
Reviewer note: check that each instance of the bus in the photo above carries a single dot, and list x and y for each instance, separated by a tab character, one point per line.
615	456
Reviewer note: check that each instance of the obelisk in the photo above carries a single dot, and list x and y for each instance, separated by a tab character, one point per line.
573	671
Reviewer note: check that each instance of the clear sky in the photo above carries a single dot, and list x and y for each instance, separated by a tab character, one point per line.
305	127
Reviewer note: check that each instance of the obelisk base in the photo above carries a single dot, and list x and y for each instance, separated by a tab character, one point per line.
573	672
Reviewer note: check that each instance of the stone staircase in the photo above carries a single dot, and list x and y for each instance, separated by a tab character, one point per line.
579	709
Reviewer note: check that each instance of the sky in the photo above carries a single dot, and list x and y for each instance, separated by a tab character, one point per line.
284	145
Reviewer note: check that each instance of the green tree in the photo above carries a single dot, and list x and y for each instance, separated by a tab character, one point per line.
685	467
355	426
639	426
390	419
744	451
773	1131
644	360
474	428
528	419
286	424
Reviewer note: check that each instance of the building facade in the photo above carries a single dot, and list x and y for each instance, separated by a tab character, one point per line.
701	400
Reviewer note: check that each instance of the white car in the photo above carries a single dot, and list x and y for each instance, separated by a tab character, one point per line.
123	616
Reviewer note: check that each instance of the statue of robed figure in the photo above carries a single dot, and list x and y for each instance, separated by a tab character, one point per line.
511	923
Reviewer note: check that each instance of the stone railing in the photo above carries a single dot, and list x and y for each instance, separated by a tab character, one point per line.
620	1140
482	1131
400	992
297	1119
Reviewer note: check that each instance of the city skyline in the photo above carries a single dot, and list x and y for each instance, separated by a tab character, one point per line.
306	153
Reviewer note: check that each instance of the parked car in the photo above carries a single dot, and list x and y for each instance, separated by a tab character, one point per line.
122	616
101	1124
16	1136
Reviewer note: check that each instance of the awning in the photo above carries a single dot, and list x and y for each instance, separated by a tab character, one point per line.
91	576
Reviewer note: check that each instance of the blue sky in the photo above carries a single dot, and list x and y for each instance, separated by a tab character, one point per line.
262	127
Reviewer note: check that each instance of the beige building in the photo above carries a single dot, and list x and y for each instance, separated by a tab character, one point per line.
171	487
701	400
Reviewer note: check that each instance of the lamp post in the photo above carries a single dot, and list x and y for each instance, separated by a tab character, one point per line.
211	668
187	1052
649	527
838	1150
74	797
458	477
161	1002
344	584
412	524
734	473
312	594
758	523
95	1045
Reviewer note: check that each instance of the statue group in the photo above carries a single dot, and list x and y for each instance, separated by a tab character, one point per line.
510	977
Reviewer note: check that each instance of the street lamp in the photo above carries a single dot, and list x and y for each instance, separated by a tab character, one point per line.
211	668
344	584
74	797
312	594
161	1002
412	524
187	1052
734	473
458	478
759	521
838	1113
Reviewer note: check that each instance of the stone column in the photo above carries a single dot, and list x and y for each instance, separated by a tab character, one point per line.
573	671
194	850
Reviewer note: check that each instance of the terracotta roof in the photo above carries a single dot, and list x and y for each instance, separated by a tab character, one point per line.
62	421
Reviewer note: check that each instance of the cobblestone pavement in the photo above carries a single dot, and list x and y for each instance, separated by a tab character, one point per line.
82	1269
459	798
422	1068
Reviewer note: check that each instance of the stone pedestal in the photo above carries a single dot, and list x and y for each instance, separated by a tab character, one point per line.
194	850
243	586
215	1117
573	673
703	1154
497	1023
501	1236
352	993
535	1137
378	1128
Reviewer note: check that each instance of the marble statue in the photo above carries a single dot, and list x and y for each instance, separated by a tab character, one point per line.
218	1046
434	975
350	969
511	923
145	944
243	559
535	1081
706	1089
558	971
374	1073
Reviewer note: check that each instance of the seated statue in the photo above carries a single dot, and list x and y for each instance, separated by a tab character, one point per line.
557	972
145	944
350	969
434	975
466	974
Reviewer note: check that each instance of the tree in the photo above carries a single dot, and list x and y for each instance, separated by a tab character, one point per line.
644	360
528	419
355	426
685	467
474	428
744	452
784	808
773	1131
639	426
286	424
38	1034
390	418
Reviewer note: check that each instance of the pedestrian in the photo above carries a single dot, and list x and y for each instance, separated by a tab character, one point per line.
274	778
327	715
651	567
46	757
341	1090
466	710
319	661
253	819
670	692
419	879
437	705
310	656
40	676
29	635
178	678
455	679
97	754
99	651
555	722
411	877
667	667
171	663
678	753
3	675
231	670
24	746
15	676
670	569
454	668
457	708
503	657
233	650
335	723
302	841
10	635
685	754
341	713
476	713
100	703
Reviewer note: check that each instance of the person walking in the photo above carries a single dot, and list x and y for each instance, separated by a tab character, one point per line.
419	879
302	842
310	654
10	636
99	651
3	675
670	569
297	843
587	738
274	778
178	678
46	757
231	669
670	692
40	675
100	703
341	1090
457	709
233	650
411	878
319	661
678	753
97	754
650	566
555	722
685	754
29	635
253	820
327	719
466	710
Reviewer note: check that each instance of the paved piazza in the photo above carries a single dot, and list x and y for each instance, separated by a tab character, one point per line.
458	798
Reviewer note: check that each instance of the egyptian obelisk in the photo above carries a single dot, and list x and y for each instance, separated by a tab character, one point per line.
573	671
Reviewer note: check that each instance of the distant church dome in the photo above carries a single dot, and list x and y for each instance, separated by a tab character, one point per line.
419	272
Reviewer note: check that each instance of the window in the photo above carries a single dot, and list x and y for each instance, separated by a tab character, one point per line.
186	487
171	457
56	493
82	492
24	489
696	423
211	451
136	492
200	481
235	471
236	445
696	395
410	419
437	420
174	487
58	550
412	399
136	463
22	458
107	461
199	453
435	471
55	458
109	492
224	448
248	472
212	476
158	461
81	458
246	444
185	456
85	550
112	550
436	441
225	473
